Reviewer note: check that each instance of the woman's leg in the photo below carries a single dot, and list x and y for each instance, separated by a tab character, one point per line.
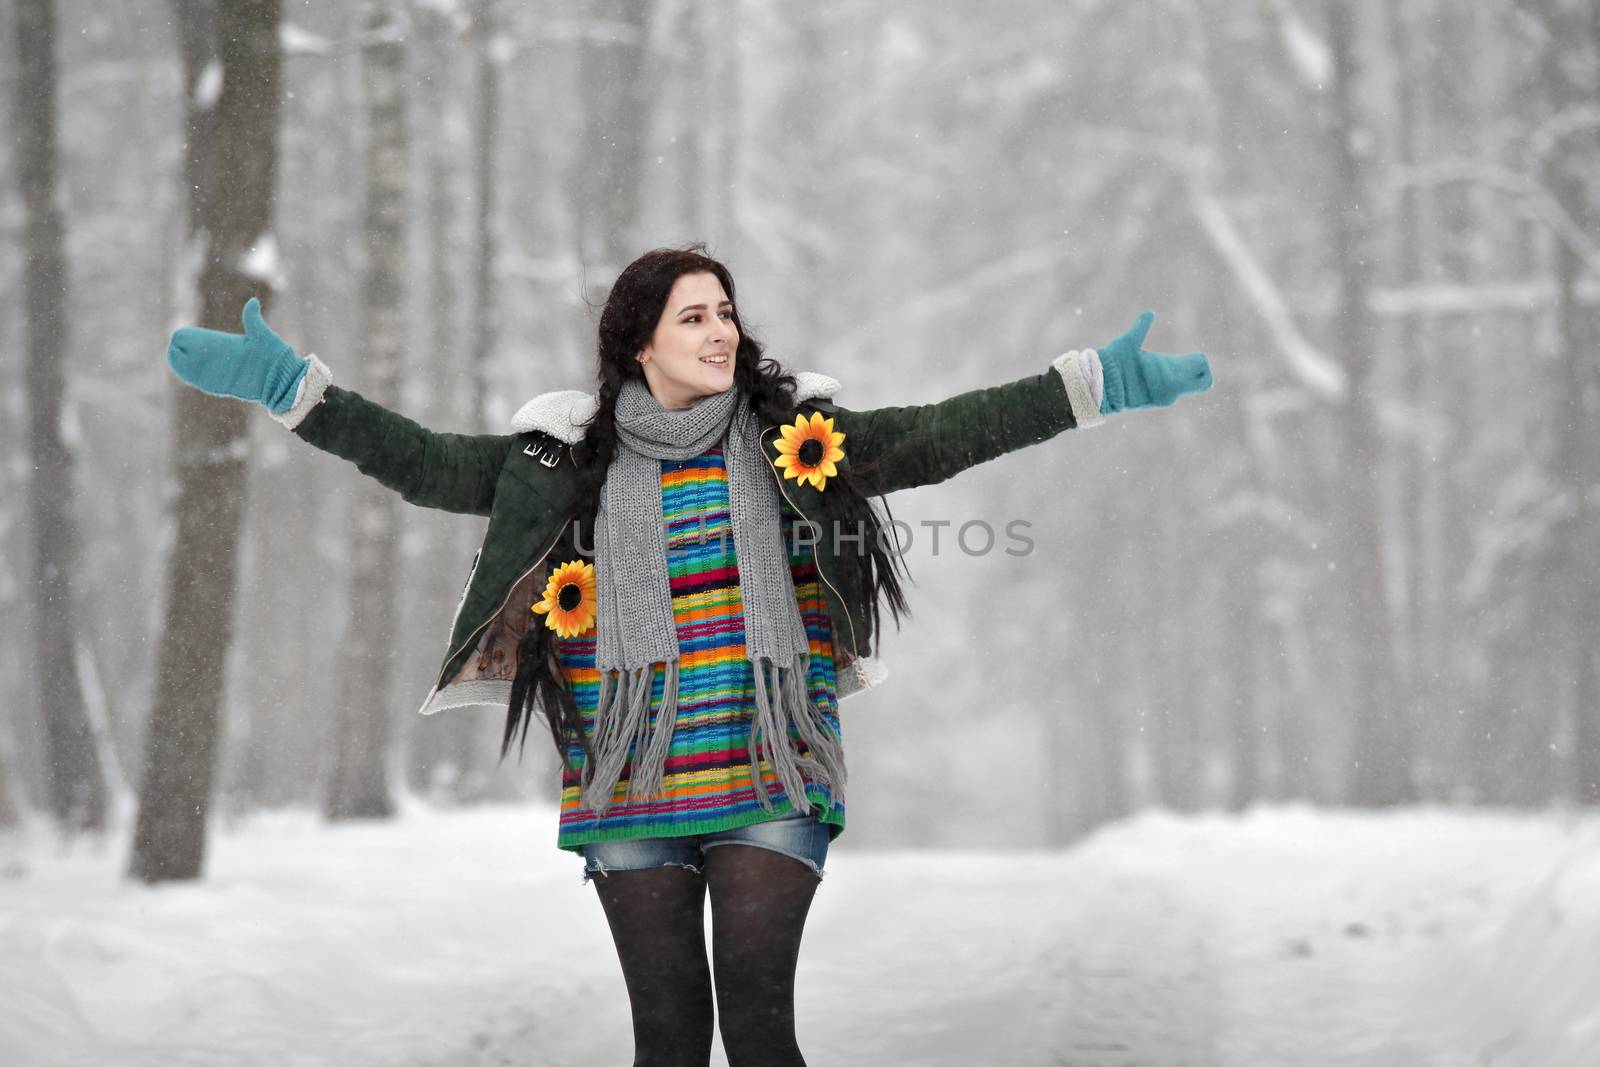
759	902
657	919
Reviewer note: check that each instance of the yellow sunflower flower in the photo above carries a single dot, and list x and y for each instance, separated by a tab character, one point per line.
568	605
810	450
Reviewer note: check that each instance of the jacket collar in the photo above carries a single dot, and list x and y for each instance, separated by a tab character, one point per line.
564	413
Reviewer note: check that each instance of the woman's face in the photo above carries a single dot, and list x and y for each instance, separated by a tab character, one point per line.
691	353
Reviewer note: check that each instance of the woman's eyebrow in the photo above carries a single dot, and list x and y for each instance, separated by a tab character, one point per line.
702	307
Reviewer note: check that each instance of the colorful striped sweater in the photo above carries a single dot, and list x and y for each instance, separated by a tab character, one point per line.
707	781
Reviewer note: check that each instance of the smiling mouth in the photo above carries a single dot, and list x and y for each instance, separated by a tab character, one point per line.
715	361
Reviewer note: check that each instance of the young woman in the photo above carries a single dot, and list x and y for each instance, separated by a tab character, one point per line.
683	575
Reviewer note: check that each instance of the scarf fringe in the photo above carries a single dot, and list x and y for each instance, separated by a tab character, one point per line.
622	718
769	729
623	728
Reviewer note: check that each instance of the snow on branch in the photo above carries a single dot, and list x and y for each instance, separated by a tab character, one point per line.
261	263
1456	298
1024	263
513	263
208	86
296	41
1533	508
1557	128
1308	54
1309	364
593	31
1525	188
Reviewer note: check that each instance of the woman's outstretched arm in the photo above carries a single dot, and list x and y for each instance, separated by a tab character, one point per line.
452	472
922	444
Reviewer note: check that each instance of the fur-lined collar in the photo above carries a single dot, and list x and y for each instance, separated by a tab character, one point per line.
564	413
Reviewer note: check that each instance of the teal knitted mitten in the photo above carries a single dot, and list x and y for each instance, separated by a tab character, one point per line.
1135	378
257	366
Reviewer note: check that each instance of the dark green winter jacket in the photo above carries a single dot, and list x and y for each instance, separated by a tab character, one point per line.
527	483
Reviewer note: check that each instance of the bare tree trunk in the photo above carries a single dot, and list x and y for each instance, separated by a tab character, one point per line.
1240	600
1404	247
1380	774
481	733
1523	701
358	786
457	743
606	193
10	792
1571	72
78	793
1425	484
231	128
1443	534
719	151
1175	740
483	289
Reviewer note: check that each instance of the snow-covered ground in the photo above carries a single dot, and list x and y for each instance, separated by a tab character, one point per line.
1288	936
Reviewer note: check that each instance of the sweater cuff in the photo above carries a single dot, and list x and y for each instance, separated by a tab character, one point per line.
313	383
1084	378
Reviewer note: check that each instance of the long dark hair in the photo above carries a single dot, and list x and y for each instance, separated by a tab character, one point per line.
627	323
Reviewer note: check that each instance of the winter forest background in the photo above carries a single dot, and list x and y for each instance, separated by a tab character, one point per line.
1361	570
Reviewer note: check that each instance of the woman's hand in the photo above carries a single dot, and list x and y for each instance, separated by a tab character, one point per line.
1135	378
258	366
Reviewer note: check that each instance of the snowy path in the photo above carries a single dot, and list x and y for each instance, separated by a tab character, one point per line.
945	959
1423	939
1138	980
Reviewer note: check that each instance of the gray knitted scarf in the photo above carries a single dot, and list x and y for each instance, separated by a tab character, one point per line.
636	634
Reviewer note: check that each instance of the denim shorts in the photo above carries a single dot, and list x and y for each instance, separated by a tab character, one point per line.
798	834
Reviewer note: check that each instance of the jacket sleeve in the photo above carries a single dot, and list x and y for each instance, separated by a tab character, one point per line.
903	447
449	471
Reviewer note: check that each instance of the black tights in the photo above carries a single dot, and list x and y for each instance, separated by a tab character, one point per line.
759	901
